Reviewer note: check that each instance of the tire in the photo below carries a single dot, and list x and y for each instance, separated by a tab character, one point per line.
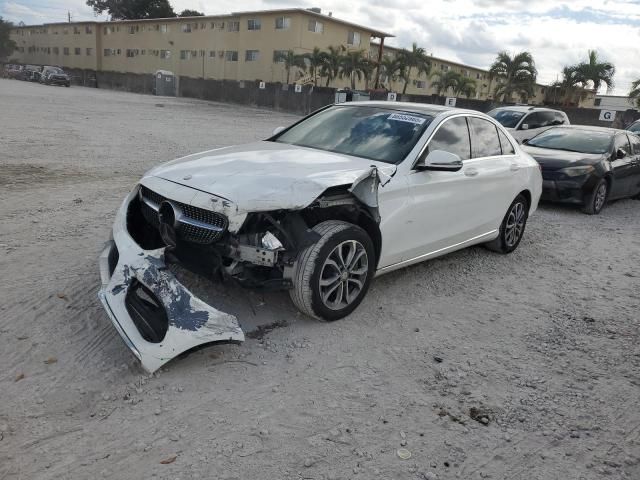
322	261
596	200
511	233
67	85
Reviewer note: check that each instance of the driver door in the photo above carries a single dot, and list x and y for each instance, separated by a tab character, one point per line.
623	168
440	202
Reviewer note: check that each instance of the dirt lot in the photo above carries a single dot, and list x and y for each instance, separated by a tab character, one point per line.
482	366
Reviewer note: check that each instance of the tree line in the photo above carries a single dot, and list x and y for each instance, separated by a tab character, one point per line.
138	9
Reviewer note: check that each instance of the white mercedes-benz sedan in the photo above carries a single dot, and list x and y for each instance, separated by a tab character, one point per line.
350	192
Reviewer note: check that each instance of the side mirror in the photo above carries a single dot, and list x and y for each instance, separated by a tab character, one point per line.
620	153
440	161
524	126
277	130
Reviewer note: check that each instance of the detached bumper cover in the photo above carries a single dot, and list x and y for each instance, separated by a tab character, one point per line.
191	322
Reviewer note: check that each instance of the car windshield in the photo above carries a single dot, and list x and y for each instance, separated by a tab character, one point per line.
635	128
54	70
508	118
375	133
573	140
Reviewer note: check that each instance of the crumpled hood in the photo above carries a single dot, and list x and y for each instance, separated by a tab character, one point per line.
267	175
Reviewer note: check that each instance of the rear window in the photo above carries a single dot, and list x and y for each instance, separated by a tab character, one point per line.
375	133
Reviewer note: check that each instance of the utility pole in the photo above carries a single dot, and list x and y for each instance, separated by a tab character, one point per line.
69	16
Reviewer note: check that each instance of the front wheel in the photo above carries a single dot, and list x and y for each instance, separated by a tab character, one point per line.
512	227
333	275
594	202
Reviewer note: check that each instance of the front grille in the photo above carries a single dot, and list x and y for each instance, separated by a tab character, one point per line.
197	225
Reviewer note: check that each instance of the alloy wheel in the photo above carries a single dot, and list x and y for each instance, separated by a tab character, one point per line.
601	196
514	225
343	275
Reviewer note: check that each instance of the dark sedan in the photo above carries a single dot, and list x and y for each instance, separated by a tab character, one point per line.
55	76
587	166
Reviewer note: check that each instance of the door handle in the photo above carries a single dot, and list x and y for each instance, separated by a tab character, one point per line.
514	167
470	172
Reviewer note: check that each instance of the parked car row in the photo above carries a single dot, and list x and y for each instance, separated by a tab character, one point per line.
47	75
581	165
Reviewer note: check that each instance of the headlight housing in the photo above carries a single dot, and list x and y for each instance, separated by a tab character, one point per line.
578	171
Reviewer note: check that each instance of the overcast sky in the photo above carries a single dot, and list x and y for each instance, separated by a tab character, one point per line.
556	32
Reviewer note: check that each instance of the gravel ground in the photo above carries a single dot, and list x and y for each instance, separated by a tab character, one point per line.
480	365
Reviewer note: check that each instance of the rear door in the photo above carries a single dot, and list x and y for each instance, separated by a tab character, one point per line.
493	168
623	168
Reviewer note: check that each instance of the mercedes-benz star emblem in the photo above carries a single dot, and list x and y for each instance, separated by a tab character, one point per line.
167	216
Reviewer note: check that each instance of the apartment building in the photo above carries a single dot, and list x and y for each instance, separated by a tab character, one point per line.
421	84
238	46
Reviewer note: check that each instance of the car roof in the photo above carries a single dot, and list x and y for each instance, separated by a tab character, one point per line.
592	128
424	108
527	108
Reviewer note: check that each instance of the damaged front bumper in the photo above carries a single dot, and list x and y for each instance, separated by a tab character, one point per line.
156	316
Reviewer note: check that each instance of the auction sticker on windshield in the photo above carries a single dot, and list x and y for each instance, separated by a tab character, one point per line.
401	117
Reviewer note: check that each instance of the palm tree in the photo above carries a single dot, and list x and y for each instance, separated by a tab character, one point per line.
634	94
353	66
596	72
390	68
445	81
515	74
410	59
290	60
367	70
315	60
465	86
568	85
332	62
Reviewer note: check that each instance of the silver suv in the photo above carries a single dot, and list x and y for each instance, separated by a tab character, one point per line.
525	122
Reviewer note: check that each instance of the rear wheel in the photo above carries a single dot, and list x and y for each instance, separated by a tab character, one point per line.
595	201
333	275
512	227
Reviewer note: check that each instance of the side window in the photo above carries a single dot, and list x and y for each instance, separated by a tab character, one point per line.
635	144
507	146
558	118
452	137
540	119
484	135
621	142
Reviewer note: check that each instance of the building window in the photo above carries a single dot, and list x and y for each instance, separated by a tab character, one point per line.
253	24
76	30
213	25
353	38
78	51
56	51
279	56
212	54
88	29
315	26
233	26
478	76
597	102
283	23
231	56
185	54
133	29
444	67
186	28
65	51
421	84
251	55
164	28
132	52
89	52
164	54
201	53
